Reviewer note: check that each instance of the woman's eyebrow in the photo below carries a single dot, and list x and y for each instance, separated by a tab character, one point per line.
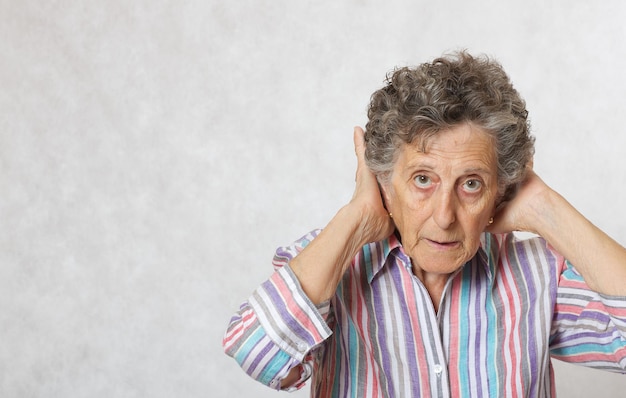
477	170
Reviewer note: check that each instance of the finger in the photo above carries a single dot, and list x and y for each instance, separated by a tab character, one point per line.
359	149
359	143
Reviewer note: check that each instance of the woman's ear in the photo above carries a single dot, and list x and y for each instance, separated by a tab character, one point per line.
384	192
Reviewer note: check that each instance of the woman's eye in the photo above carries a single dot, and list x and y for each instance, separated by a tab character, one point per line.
423	181
472	185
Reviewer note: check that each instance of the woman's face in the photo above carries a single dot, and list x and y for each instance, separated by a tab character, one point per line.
441	200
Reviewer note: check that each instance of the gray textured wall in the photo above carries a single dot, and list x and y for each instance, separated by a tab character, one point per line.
154	153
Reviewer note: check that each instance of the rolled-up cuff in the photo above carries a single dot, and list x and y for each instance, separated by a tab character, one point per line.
289	317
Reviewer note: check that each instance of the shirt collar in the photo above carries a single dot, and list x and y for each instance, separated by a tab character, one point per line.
378	254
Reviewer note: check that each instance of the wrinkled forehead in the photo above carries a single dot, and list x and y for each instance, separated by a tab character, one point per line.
459	150
422	140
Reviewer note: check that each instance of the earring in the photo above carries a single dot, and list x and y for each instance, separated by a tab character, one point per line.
390	215
491	221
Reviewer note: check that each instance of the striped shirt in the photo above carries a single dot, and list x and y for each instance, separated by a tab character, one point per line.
502	316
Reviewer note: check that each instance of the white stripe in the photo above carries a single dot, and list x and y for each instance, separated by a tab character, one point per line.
262	344
393	315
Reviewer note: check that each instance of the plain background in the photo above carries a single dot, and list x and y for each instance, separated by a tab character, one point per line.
153	154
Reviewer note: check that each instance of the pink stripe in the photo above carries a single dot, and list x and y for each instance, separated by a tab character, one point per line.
418	340
294	310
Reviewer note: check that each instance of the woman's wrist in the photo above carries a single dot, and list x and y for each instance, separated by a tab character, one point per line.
320	266
544	215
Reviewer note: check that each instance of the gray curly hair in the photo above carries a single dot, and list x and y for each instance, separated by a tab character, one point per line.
417	103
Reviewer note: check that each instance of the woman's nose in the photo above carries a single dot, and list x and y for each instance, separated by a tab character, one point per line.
444	212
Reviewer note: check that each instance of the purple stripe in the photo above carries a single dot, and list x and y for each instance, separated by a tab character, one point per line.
382	339
287	318
528	308
474	294
398	273
261	355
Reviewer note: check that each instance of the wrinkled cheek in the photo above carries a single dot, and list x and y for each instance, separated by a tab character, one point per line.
410	223
408	230
470	249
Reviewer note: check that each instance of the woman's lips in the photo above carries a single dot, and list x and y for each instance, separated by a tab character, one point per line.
444	245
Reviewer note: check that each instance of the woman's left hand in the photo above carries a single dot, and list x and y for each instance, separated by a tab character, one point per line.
519	213
540	210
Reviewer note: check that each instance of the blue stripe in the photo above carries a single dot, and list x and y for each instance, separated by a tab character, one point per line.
464	298
491	345
273	367
245	349
589	348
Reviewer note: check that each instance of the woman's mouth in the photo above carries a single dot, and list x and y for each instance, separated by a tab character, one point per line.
443	245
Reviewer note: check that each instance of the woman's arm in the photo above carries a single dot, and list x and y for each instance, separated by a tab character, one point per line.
307	276
274	333
540	210
245	341
320	266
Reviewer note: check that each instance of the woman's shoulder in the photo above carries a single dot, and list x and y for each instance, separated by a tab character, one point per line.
490	241
519	250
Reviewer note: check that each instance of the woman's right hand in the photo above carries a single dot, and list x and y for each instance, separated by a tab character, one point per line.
321	265
376	224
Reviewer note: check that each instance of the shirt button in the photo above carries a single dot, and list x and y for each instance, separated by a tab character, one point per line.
302	347
438	369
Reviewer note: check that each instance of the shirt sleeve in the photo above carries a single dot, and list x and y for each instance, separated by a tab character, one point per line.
278	327
588	328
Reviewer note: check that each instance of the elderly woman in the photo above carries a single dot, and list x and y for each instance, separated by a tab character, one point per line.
417	287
